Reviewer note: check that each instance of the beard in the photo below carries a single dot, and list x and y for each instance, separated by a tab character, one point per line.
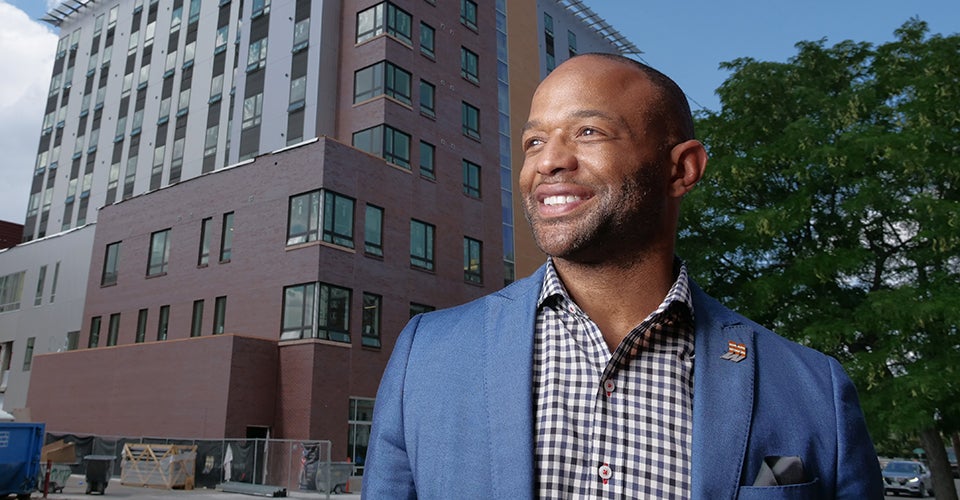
623	224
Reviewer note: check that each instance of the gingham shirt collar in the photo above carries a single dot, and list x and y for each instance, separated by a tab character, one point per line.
679	293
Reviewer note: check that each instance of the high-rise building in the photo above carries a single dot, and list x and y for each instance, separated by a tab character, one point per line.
277	186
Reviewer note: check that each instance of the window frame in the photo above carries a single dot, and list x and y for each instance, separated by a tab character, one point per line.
423	252
159	268
472	260
468	14
428	150
371	320
325	329
226	238
469	65
331	214
305	328
373	236
470	120
471	183
196	319
111	263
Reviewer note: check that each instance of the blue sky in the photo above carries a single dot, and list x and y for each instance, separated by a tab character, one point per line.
686	39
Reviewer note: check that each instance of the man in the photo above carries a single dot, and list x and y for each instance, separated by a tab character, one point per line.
608	374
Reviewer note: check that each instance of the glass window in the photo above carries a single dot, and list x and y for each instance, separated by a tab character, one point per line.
572	43
196	322
194	11
141	326
337	219
260	7
471	179
385	141
427	159
53	286
469	65
204	255
298	92
252	110
427	40
298	311
333	322
257	55
416	309
373	231
361	421
41	278
219	315
379	79
216	87
468	14
471	121
113	329
159	253
371	320
472	263
73	340
210	140
421	245
303	218
220	41
11	289
301	35
226	238
384	17
370	23
111	260
396	147
94	340
427	99
28	354
164	323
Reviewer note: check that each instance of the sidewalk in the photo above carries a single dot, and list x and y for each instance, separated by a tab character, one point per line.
76	490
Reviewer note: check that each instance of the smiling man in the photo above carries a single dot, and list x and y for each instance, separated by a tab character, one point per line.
578	381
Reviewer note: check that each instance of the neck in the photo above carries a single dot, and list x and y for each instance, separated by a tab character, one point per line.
618	295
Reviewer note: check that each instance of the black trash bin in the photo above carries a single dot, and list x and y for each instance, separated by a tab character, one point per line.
99	470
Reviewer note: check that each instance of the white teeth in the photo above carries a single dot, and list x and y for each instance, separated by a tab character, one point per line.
559	200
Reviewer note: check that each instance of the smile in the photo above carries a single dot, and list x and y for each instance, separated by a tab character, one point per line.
560	200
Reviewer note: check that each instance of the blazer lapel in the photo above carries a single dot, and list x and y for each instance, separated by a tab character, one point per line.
508	333
722	399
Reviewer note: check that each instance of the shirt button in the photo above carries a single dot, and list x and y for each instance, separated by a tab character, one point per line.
605	472
609	386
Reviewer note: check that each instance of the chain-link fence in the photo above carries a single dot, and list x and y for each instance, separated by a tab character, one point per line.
291	464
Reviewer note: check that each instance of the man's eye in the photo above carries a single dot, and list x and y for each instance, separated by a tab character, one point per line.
589	131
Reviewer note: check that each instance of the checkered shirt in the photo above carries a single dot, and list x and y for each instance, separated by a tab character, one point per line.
613	425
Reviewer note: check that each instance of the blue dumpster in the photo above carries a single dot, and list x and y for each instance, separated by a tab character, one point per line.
20	445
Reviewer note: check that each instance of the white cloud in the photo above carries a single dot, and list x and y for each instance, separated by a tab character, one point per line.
25	64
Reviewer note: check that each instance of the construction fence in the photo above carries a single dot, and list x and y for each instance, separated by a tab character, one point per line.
291	464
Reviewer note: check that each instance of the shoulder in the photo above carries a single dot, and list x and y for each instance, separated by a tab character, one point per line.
522	293
772	349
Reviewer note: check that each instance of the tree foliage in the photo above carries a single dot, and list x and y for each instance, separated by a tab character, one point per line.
831	213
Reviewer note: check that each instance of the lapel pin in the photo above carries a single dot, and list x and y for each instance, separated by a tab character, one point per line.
736	352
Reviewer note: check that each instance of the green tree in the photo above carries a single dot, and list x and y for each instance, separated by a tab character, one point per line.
831	213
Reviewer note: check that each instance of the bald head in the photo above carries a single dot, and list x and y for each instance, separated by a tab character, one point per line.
669	107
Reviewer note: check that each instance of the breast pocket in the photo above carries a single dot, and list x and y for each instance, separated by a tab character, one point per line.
802	491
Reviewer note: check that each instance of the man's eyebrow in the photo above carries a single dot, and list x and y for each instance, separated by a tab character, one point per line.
580	114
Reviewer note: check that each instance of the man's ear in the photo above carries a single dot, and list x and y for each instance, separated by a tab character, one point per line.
689	161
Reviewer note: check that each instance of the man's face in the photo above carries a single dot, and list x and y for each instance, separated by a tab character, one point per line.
595	172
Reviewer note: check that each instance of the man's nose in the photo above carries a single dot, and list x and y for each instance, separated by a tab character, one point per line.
557	156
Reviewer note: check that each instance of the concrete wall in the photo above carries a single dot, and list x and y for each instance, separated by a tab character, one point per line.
59	311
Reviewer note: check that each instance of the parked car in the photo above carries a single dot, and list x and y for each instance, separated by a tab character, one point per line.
901	476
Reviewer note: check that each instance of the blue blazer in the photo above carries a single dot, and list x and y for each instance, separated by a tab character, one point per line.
454	413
